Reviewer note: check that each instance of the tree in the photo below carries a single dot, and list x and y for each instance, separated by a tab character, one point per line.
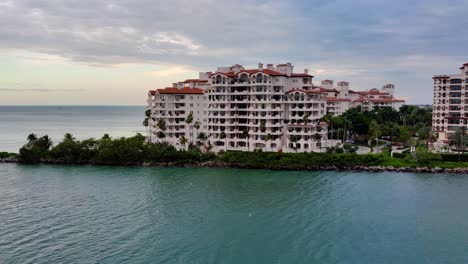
183	141
245	135
162	127
148	113
375	132
459	140
223	136
305	118
35	149
189	120
317	137
294	139
268	137
196	125
202	137
32	138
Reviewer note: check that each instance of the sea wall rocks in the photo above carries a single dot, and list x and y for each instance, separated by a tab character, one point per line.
220	164
9	160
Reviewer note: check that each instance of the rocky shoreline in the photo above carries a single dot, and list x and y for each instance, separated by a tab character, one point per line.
218	164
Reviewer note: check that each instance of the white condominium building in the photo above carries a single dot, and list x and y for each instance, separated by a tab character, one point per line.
450	107
269	108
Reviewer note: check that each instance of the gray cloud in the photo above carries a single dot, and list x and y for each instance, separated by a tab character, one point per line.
369	42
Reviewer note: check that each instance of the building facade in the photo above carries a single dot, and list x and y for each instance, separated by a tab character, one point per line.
269	108
450	105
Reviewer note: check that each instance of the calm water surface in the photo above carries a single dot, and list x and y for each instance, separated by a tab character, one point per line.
17	122
69	214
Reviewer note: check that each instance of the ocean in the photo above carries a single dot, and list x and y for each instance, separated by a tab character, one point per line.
99	214
17	122
85	214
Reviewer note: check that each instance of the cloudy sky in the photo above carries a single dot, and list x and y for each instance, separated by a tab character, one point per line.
112	51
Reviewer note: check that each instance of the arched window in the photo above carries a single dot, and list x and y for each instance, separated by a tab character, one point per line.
219	79
259	78
244	78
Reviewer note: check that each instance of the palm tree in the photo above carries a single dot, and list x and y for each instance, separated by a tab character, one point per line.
223	136
294	139
375	132
32	138
245	135
202	137
317	137
196	125
183	141
189	121
306	119
268	137
162	126
459	139
68	136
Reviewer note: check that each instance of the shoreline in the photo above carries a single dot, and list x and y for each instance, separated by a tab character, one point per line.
220	164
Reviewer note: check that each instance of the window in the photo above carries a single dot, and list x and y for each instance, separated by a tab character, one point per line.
456	81
455	94
454	101
259	78
455	87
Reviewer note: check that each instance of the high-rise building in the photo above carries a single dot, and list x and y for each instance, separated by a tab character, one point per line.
270	108
450	106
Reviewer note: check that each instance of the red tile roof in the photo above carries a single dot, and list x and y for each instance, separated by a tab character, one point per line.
265	71
195	81
326	90
336	99
185	90
306	91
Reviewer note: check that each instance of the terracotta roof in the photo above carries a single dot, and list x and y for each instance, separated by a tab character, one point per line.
466	64
195	81
386	100
265	71
378	100
185	90
152	92
336	99
326	90
306	91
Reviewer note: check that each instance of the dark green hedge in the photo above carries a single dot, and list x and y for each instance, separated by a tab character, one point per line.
297	160
454	157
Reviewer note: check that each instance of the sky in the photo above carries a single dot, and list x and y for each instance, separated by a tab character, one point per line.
111	52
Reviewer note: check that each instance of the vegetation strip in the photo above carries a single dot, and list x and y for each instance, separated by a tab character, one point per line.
136	151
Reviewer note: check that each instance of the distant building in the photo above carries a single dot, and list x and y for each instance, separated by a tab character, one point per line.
450	106
270	108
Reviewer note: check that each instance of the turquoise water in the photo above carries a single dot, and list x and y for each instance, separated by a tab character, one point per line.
17	122
70	214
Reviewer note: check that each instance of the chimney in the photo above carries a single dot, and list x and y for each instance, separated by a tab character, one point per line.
270	66
306	71
260	66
